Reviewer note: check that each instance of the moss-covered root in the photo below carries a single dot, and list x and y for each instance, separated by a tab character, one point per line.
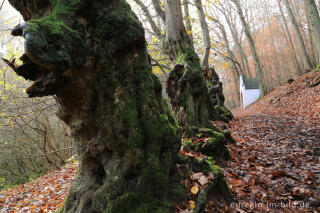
217	191
214	144
218	111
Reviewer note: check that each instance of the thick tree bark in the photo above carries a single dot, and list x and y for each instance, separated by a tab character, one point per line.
92	56
294	55
254	53
315	21
297	31
192	98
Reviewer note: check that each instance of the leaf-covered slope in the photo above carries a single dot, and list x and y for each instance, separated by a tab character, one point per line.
300	98
275	164
45	194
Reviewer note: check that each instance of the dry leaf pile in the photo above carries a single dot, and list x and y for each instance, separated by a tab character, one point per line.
275	162
45	194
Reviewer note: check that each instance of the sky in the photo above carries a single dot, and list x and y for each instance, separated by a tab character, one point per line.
9	13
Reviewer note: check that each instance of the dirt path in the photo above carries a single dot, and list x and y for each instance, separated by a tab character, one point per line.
275	163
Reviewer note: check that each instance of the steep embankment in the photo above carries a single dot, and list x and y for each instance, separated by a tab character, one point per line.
275	161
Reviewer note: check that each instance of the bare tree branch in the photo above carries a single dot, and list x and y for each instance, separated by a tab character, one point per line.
160	12
153	25
161	67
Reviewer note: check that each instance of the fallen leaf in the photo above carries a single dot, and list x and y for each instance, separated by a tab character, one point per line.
203	180
195	190
196	176
192	204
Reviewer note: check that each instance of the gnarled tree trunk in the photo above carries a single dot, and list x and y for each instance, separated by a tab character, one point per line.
190	97
92	56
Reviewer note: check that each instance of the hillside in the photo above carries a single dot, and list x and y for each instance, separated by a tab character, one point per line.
300	98
275	161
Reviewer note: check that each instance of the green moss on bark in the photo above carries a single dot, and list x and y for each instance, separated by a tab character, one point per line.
126	136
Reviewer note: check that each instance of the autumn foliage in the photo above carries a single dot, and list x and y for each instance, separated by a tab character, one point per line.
45	194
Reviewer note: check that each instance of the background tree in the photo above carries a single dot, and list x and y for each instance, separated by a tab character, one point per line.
255	56
315	20
297	31
288	36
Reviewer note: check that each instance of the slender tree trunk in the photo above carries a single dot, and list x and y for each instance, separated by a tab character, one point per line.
310	37
297	31
275	54
146	12
157	7
244	58
235	72
205	34
252	48
1	5
286	28
315	21
187	19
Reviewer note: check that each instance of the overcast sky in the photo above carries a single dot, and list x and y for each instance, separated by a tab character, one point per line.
10	13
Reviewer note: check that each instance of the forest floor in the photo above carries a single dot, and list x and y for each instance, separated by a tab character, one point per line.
275	161
274	164
45	194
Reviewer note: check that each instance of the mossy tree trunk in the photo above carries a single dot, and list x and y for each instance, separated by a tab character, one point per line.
188	89
92	56
193	104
